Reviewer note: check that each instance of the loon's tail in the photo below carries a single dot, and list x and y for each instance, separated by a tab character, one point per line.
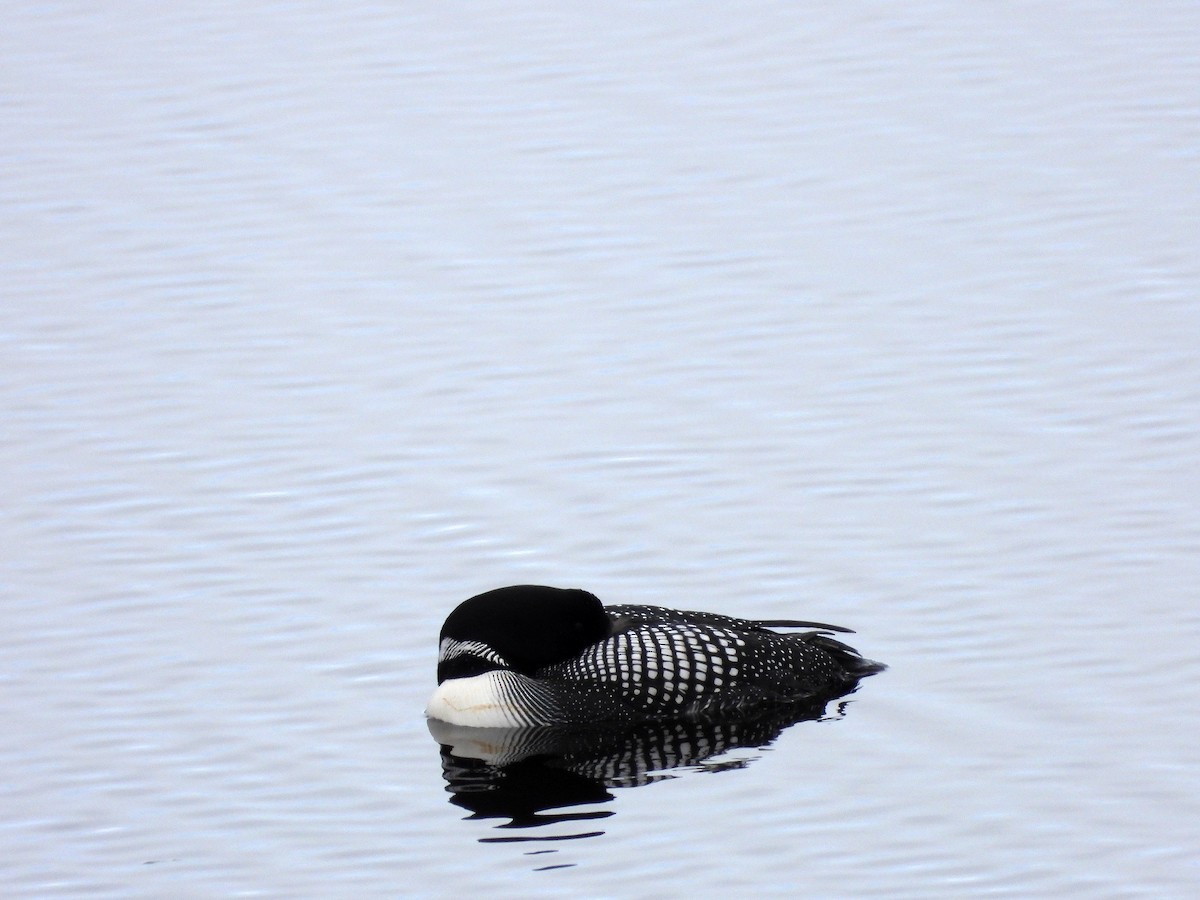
854	663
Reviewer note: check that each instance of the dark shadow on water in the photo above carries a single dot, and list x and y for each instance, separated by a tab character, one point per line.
539	778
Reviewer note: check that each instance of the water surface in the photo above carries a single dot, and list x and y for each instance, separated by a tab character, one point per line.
314	323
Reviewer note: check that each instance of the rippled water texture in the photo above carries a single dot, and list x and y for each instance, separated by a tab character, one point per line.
316	321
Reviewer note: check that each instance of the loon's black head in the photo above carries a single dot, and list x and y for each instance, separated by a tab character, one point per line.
527	626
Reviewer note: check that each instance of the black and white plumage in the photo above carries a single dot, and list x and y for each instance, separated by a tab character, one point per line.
531	655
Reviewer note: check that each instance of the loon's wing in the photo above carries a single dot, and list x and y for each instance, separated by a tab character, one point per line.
669	669
796	623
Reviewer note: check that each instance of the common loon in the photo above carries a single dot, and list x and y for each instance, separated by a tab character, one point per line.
531	655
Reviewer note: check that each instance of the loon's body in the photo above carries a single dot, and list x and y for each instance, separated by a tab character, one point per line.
530	655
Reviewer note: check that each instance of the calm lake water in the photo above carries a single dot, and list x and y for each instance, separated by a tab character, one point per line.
316	320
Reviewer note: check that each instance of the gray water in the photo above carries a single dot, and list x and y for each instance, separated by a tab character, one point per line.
318	319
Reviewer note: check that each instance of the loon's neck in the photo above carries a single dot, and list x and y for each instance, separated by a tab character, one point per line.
500	698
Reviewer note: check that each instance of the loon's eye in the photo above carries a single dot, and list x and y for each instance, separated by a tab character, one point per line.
465	666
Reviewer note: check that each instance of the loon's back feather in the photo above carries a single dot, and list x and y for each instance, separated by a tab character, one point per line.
635	613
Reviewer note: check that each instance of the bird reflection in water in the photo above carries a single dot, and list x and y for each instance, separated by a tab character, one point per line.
538	777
